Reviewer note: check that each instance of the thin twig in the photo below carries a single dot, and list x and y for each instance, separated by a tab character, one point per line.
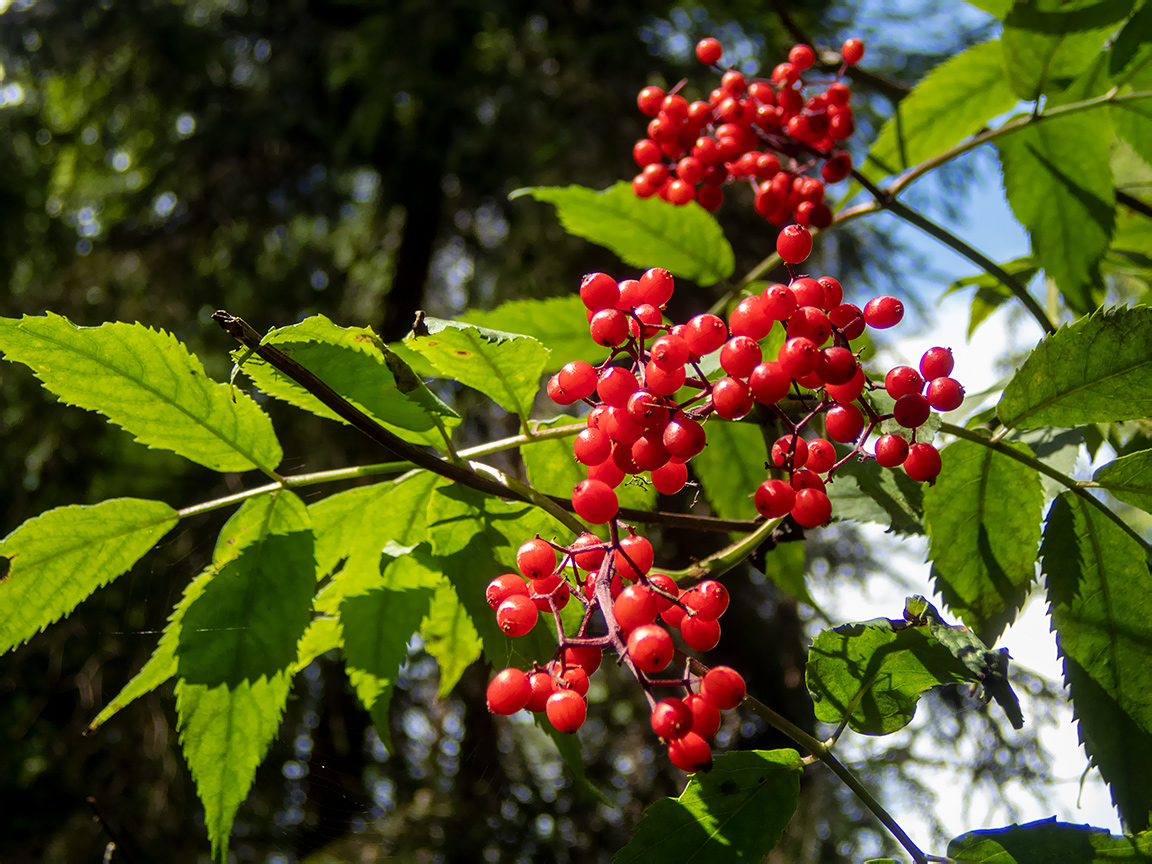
117	843
1133	203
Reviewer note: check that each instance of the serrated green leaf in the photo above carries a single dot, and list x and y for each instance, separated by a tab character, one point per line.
146	382
1133	118
991	293
731	467
559	323
1048	42
56	560
1049	842
1133	46
863	491
506	367
953	101
1129	479
644	232
553	470
735	811
377	626
323	635
1098	587
1058	448
983	520
1097	369
354	363
236	651
1058	180
449	637
875	675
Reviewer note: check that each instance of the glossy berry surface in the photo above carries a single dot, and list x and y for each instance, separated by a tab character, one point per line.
508	692
566	710
723	686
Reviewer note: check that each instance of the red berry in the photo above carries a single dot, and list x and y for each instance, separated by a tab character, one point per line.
700	634
608	473
635	606
669	352
769	382
587	657
923	462
566	710
936	363
808	292
850	392
556	392
774	498
663	383
734	82
811	323
704	334
844	423
665	583
639	551
911	410
806	479
902	380
794	243
646	152
790	451
710	197
836	365
517	615
731	398
609	327
709	599
670	478
647	410
616	385
780	302
785	74
821	455
592	558
684	438
671	719
599	291
503	587
891	450
572	678
554	586
833	292
750	318
812	508
657	284
723	686
690	753
838	93
802	57
536	559
508	692
739	356
578	379
705	715
883	312
592	446
594	501
542	687
709	51
945	394
649	101
837	168
852	51
648	452
650	648
847	318
798	356
673	616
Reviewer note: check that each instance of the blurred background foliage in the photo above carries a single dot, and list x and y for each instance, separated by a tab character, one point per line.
165	159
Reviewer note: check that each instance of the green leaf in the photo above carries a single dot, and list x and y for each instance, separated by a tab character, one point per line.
146	382
644	232
1049	842
1129	479
1058	179
736	811
983	520
731	467
875	674
56	560
357	365
237	648
559	323
786	567
323	635
1095	370
1098	588
1048	42
377	626
991	293
1133	45
863	491
504	366
450	637
953	101
995	8
553	470
1133	119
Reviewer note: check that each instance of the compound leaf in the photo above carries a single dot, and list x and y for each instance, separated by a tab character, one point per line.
735	811
59	558
983	519
1095	370
874	674
953	101
1049	842
644	232
559	324
1058	179
504	366
145	381
450	637
357	365
1098	587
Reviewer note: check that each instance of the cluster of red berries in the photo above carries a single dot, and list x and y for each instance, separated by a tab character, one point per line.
766	132
600	569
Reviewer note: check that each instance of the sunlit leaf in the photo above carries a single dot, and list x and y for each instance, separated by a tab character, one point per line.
559	323
1048	842
1129	479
